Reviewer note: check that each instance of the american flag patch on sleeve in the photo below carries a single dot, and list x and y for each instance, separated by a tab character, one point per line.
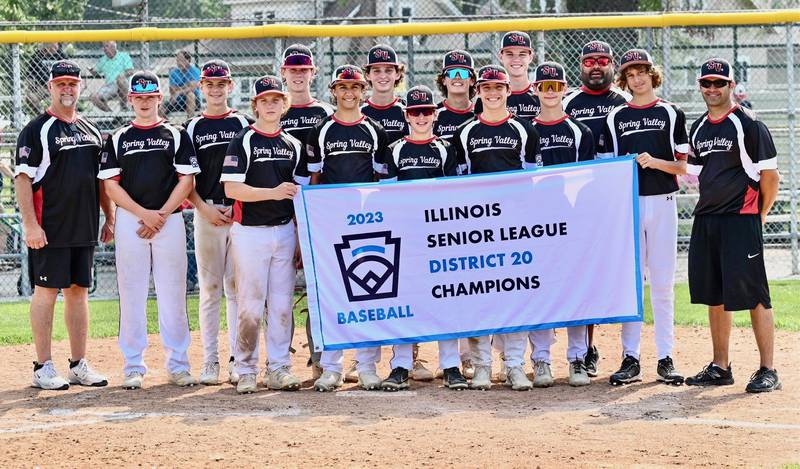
231	160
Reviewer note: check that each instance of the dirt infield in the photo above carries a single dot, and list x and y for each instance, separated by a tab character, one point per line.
645	424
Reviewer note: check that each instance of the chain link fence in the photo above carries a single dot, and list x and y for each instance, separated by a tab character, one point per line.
765	57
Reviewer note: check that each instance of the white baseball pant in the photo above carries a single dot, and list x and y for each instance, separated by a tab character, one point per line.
366	359
577	343
215	272
165	256
514	345
658	241
263	258
403	355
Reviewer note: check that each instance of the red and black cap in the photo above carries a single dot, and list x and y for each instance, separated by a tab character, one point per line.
419	97
458	59
265	85
550	71
516	39
143	83
634	57
381	54
597	49
215	69
65	70
298	56
492	74
716	68
348	73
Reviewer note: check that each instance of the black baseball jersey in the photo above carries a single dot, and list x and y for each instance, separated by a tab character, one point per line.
346	152
591	108
658	128
62	159
563	141
490	147
263	160
148	161
301	118
448	120
210	136
728	156
420	159
522	103
392	118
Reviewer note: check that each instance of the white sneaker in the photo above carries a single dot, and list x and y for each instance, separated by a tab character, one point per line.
282	379
182	379
482	378
133	380
247	384
84	375
209	374
329	381
233	376
351	375
369	380
578	376
46	377
467	369
419	372
542	376
515	377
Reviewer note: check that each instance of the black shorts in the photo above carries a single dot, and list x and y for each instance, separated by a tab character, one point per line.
726	262
61	267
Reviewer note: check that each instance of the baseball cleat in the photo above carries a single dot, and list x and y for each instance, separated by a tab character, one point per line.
233	376
282	379
467	368
503	374
209	374
182	379
667	373
369	380
133	380
578	375
419	372
247	384
542	375
453	379
46	377
482	379
329	381
351	376
629	372
81	373
590	360
397	380
764	380
515	377
711	375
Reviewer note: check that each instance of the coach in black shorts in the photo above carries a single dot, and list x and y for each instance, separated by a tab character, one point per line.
735	159
58	154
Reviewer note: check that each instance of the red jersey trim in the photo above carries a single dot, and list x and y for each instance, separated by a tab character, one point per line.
270	135
458	111
38	203
146	127
339	121
495	123
681	156
419	142
593	92
750	206
557	121
717	121
646	106
219	116
383	108
528	88
237	211
117	178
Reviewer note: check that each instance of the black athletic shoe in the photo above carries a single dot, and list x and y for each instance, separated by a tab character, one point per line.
397	380
453	379
667	372
712	375
764	380
590	360
629	372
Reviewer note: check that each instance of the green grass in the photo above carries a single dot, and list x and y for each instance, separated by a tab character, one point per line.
104	322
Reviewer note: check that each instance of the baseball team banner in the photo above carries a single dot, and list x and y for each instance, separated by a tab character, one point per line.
434	259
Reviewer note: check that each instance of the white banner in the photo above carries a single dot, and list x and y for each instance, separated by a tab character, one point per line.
435	259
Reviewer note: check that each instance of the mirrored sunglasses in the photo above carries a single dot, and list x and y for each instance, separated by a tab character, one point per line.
592	61
298	60
148	87
425	111
461	73
546	86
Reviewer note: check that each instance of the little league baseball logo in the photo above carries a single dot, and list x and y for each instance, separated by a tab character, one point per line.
370	265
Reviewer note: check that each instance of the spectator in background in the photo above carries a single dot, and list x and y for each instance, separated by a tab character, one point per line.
37	71
184	90
740	96
115	67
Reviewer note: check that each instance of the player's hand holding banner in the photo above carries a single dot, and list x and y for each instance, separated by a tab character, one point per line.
460	257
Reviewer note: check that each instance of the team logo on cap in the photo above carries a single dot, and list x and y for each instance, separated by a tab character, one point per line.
350	74
270	83
716	66
633	55
596	47
370	265
214	70
549	71
515	38
493	74
381	54
418	95
458	57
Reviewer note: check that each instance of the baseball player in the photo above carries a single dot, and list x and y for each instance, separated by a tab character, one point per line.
656	131
420	156
57	158
259	171
210	134
148	169
516	56
735	160
590	104
562	139
514	144
384	73
360	143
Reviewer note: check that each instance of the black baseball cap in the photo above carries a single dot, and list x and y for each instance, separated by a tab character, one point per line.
65	70
298	56
458	59
143	83
550	71
215	70
419	97
267	84
492	74
381	54
516	39
635	57
716	68
348	73
597	49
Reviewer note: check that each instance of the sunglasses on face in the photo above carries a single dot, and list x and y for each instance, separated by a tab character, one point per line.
298	60
719	83
215	72
545	86
592	61
461	73
420	112
148	87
